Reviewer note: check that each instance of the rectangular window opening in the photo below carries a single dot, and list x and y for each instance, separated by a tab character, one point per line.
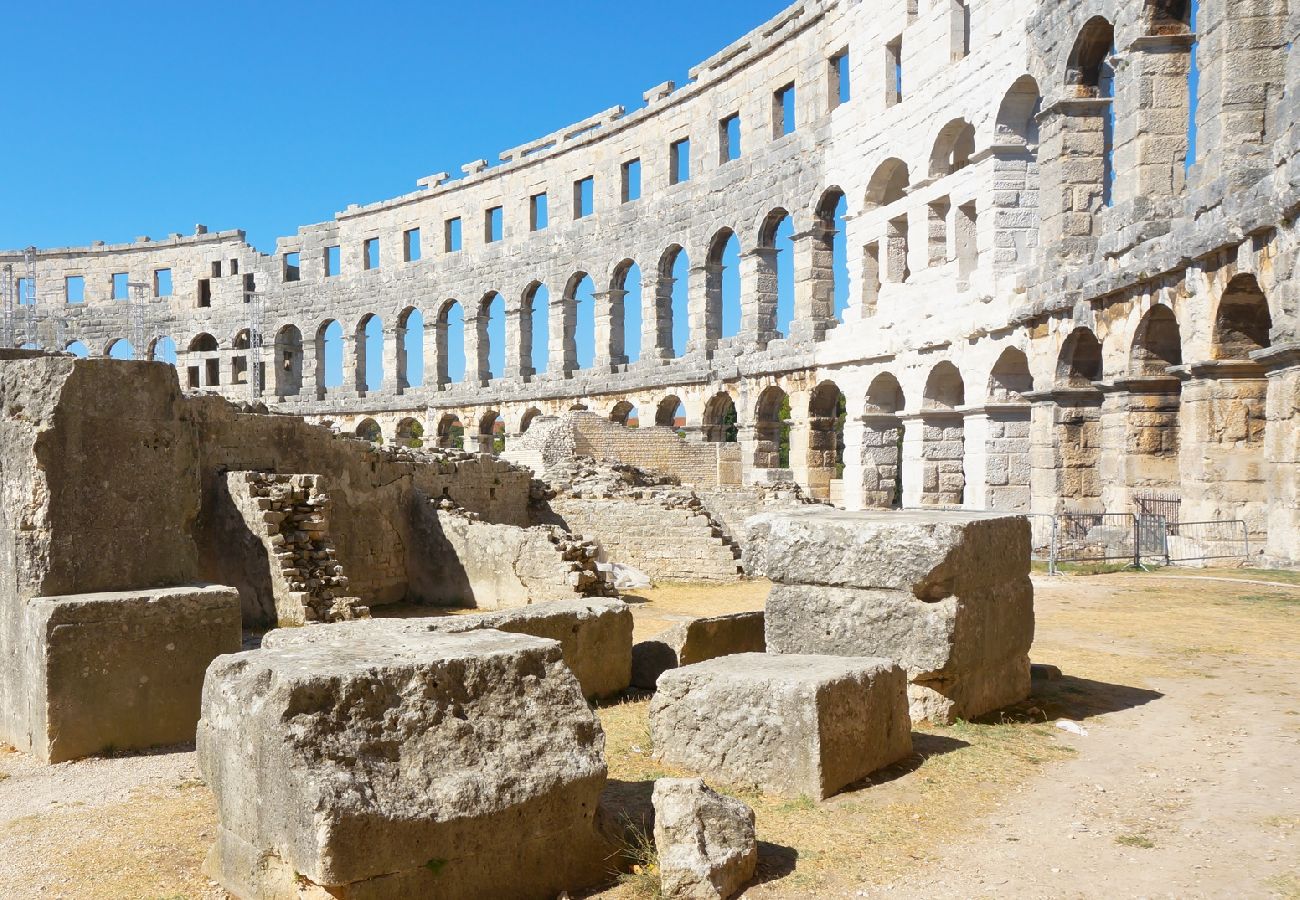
679	161
162	282
783	111
121	286
74	288
213	367
584	197
205	292
894	71
451	235
26	292
538	212
493	224
631	180
292	267
370	253
216	268
331	257
234	267
411	245
840	92
729	137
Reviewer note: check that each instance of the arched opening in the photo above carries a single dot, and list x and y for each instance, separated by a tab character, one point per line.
239	360
119	349
77	349
672	301
625	313
1243	323
827	412
410	433
527	418
1165	17
370	353
329	356
1090	74
953	148
1151	421
491	332
885	253
534	328
772	429
1157	344
1077	413
720	420
203	343
369	430
163	349
722	286
579	323
775	284
450	342
621	412
1015	209
451	433
1017	121
830	261
287	362
670	413
1006	448
491	433
410	348
943	448
882	444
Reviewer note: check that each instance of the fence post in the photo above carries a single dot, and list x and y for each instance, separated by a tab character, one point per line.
1137	542
1051	556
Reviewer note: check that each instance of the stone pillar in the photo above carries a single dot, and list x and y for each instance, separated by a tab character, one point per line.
703	319
1072	152
656	317
1139	439
913	459
1151	122
758	295
1065	450
609	355
354	375
943	451
814	285
477	370
800	438
1015	207
395	359
1282	451
1006	456
854	462
563	349
313	375
437	360
881	457
519	341
976	432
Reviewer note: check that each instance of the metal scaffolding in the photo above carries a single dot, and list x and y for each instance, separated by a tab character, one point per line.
7	288
256	304
28	296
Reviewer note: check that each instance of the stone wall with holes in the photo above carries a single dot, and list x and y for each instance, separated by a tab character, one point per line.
980	229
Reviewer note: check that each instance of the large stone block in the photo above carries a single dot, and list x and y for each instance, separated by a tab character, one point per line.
705	841
947	595
696	641
370	762
792	724
594	635
123	670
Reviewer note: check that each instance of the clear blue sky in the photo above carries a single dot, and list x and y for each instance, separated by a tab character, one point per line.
123	121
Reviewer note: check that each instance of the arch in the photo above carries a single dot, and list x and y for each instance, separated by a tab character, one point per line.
1010	379
1157	343
885	395
953	148
163	349
490	331
1017	119
1243	323
579	322
450	342
409	433
77	349
621	412
1087	68
491	432
241	340
669	410
720	420
410	348
888	183
119	348
944	388
1080	362
203	343
527	418
830	262
625	313
827	411
672	301
369	343
772	429
451	433
329	356
578	407
287	361
369	430
722	285
535	328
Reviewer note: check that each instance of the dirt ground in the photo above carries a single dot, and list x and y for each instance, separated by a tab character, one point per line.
1187	783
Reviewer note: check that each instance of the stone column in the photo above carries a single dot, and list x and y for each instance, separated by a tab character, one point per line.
1282	450
1072	152
436	362
881	457
609	354
1151	122
758	295
313	374
943	451
519	341
354	376
1139	439
395	359
563	356
913	459
854	462
1015	207
814	286
656	317
1006	456
704	322
976	432
1044	474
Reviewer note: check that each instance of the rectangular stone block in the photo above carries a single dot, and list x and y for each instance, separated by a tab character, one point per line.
790	725
696	641
124	670
370	762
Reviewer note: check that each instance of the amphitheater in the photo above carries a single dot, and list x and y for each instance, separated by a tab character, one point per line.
1049	301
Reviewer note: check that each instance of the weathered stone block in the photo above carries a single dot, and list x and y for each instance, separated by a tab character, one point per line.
705	841
789	724
370	762
696	641
123	670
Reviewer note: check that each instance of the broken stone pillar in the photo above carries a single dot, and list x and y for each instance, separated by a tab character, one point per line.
372	764
794	725
946	595
705	841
